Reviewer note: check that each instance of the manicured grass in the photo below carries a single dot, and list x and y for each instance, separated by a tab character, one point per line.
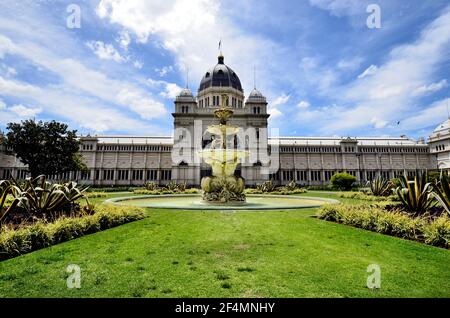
231	254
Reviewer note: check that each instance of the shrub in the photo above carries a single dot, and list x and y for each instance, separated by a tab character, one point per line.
374	218
380	186
342	181
366	197
92	195
266	186
150	185
291	186
415	195
42	199
441	191
14	242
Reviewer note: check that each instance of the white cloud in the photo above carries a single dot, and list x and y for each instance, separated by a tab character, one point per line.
145	107
350	64
105	51
25	112
378	123
274	113
85	112
138	64
76	75
164	70
431	115
371	70
303	104
273	108
387	95
280	100
171	91
124	39
432	88
2	105
179	27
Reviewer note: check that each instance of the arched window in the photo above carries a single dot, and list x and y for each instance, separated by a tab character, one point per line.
220	72
207	74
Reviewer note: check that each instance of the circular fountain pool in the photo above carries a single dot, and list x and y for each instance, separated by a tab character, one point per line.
194	202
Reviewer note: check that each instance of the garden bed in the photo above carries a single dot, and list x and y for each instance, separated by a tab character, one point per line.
28	238
428	229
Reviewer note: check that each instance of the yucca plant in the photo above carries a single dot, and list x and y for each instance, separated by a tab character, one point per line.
416	196
5	190
291	186
441	191
40	198
150	185
380	186
266	186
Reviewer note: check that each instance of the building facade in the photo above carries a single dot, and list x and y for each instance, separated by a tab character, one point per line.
128	160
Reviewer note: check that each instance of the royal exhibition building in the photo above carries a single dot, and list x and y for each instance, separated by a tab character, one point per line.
133	160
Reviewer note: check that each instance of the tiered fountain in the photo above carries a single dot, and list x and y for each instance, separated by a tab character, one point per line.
223	187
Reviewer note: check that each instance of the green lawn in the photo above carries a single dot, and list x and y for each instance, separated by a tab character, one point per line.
231	254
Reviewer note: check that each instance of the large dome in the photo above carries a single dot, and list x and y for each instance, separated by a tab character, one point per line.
220	75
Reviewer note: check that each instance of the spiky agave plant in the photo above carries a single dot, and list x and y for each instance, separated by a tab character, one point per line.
441	191
5	190
266	186
380	186
416	196
40	197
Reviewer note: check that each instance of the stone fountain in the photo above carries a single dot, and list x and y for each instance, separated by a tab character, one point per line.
223	187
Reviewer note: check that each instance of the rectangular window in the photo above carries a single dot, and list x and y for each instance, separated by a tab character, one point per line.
328	175
166	174
316	175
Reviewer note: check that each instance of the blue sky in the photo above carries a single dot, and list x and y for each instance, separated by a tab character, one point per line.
324	72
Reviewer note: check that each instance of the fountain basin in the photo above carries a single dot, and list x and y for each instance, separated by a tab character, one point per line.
195	202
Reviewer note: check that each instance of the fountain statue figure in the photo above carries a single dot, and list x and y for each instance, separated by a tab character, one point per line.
223	187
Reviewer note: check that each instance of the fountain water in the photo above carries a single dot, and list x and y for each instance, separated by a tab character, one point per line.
223	186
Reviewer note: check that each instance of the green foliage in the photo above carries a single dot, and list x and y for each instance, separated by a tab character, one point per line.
374	218
14	242
92	195
441	191
150	185
380	186
266	186
111	189
291	186
162	191
277	191
342	181
46	148
6	189
366	197
415	195
42	199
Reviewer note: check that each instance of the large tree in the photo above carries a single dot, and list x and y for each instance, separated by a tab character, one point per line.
46	147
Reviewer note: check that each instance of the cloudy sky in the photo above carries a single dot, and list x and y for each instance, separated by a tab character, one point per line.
322	69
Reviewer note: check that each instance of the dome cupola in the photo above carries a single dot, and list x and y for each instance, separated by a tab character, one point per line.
220	75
